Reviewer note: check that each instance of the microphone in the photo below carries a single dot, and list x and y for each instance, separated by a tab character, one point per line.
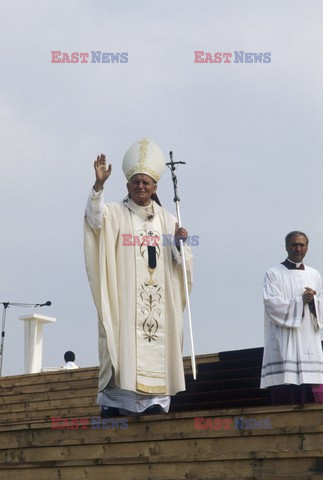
47	304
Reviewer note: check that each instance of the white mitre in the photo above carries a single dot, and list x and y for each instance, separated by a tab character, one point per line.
145	157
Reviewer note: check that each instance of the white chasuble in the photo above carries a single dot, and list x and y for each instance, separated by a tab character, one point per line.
140	308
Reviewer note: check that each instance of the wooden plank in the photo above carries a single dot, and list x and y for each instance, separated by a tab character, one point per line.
209	387
235	391
199	359
209	375
87	372
62	386
243	353
310	414
212	404
67	384
245	363
158	452
147	431
170	427
48	377
298	468
247	402
44	404
217	395
94	411
49	395
46	415
222	384
163	451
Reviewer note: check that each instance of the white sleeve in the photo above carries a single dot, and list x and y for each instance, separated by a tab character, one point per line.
318	301
284	312
177	254
94	209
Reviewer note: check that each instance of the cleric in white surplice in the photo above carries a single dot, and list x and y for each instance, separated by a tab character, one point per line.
293	359
137	286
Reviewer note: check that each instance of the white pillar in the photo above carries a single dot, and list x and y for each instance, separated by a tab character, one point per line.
34	340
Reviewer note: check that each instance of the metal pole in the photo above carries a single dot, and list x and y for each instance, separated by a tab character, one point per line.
5	307
172	167
3	326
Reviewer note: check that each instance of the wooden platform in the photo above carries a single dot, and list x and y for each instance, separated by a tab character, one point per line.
225	379
211	433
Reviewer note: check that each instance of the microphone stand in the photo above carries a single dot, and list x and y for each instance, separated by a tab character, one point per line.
171	166
4	313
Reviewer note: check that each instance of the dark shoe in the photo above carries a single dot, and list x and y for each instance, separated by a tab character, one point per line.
154	409
107	412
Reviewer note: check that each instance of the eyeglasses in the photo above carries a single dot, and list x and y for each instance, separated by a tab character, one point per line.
297	244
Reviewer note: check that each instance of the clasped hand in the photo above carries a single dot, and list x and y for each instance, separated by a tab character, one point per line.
308	295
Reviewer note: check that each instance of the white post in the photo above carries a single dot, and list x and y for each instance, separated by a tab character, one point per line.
34	341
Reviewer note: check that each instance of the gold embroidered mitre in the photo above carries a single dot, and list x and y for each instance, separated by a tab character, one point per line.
145	157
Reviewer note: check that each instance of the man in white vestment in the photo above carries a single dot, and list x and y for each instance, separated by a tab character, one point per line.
134	268
293	359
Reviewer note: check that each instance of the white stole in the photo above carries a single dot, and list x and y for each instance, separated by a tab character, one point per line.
150	300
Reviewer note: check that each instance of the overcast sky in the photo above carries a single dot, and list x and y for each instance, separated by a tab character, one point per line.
251	134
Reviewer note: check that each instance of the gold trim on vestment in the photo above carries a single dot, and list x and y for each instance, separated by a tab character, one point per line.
149	389
148	373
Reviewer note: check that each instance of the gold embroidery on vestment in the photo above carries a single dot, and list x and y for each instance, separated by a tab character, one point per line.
150	296
141	166
149	389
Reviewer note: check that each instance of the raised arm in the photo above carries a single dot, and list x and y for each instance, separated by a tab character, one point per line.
95	203
102	173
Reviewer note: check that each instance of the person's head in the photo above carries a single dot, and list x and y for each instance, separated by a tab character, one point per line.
143	165
296	245
141	188
69	356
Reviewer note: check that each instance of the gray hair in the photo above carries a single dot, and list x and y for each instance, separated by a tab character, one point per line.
292	234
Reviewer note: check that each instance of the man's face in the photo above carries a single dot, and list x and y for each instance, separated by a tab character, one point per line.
141	188
297	248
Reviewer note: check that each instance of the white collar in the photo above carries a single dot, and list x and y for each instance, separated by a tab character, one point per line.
146	212
297	264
